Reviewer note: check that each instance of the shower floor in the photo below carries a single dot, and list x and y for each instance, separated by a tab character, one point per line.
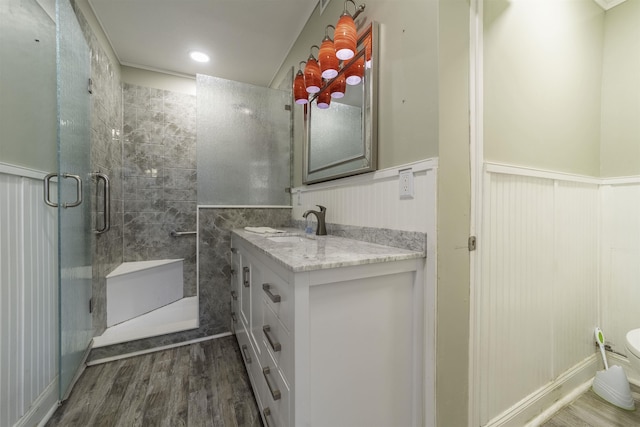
179	316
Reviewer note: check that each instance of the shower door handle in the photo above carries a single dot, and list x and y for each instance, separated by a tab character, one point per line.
47	183
106	214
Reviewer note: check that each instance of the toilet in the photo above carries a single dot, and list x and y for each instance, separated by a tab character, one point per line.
633	349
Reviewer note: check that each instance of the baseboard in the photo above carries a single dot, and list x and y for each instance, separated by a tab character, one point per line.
547	400
42	408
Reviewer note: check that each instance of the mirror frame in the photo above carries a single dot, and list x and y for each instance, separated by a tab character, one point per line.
367	160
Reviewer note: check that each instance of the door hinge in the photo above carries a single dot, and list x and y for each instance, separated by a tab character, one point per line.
472	243
287	107
90	305
90	86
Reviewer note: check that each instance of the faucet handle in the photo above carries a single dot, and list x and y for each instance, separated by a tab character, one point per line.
322	208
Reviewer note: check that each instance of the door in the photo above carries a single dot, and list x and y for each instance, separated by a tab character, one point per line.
74	184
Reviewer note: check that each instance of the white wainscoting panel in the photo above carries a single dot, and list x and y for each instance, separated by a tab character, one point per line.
28	298
373	200
575	293
620	254
538	294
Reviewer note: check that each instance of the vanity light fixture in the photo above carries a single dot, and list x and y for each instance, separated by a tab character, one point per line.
329	62
299	91
199	56
312	74
327	66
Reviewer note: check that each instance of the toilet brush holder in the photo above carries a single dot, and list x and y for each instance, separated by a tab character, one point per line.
613	386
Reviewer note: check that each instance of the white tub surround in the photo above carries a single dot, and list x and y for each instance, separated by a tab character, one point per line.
178	316
331	329
136	288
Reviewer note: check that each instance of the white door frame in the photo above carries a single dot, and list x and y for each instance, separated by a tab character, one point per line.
477	167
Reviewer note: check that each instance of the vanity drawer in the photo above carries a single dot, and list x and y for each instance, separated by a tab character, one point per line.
275	397
278	296
277	343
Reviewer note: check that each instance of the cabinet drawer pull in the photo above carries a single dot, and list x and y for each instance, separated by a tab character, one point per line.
275	345
267	413
234	295
267	290
233	317
245	276
275	393
247	359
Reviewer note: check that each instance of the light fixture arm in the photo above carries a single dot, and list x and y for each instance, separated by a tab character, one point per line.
311	51
358	11
326	32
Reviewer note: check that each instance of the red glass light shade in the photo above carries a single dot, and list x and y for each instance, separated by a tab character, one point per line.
328	60
355	72
345	37
324	99
299	91
338	87
312	75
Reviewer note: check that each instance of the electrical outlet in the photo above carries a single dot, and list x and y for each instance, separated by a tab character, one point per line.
406	184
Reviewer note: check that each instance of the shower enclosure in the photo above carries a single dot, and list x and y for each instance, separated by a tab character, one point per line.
74	195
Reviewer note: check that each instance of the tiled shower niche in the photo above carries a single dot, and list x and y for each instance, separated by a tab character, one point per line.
160	178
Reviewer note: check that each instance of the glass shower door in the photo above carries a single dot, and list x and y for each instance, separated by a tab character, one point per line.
74	215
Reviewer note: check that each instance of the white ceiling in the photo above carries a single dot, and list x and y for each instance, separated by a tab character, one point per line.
247	40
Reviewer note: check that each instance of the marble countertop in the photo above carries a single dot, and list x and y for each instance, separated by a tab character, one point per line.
299	252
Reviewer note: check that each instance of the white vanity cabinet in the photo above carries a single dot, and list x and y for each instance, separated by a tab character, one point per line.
330	346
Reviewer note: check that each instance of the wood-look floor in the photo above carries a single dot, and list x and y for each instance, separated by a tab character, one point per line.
203	384
590	410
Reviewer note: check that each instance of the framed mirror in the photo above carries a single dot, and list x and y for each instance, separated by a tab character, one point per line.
341	137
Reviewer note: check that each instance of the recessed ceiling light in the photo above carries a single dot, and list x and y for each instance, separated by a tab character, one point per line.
199	56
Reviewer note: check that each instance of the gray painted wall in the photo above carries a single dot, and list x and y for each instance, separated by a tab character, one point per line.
28	86
561	86
620	139
542	80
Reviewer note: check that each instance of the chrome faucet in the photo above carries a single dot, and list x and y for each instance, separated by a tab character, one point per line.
322	229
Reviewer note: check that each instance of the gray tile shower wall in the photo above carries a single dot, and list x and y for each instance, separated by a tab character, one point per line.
160	179
215	255
214	232
106	157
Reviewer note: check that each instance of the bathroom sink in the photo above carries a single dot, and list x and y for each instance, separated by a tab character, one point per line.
287	239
